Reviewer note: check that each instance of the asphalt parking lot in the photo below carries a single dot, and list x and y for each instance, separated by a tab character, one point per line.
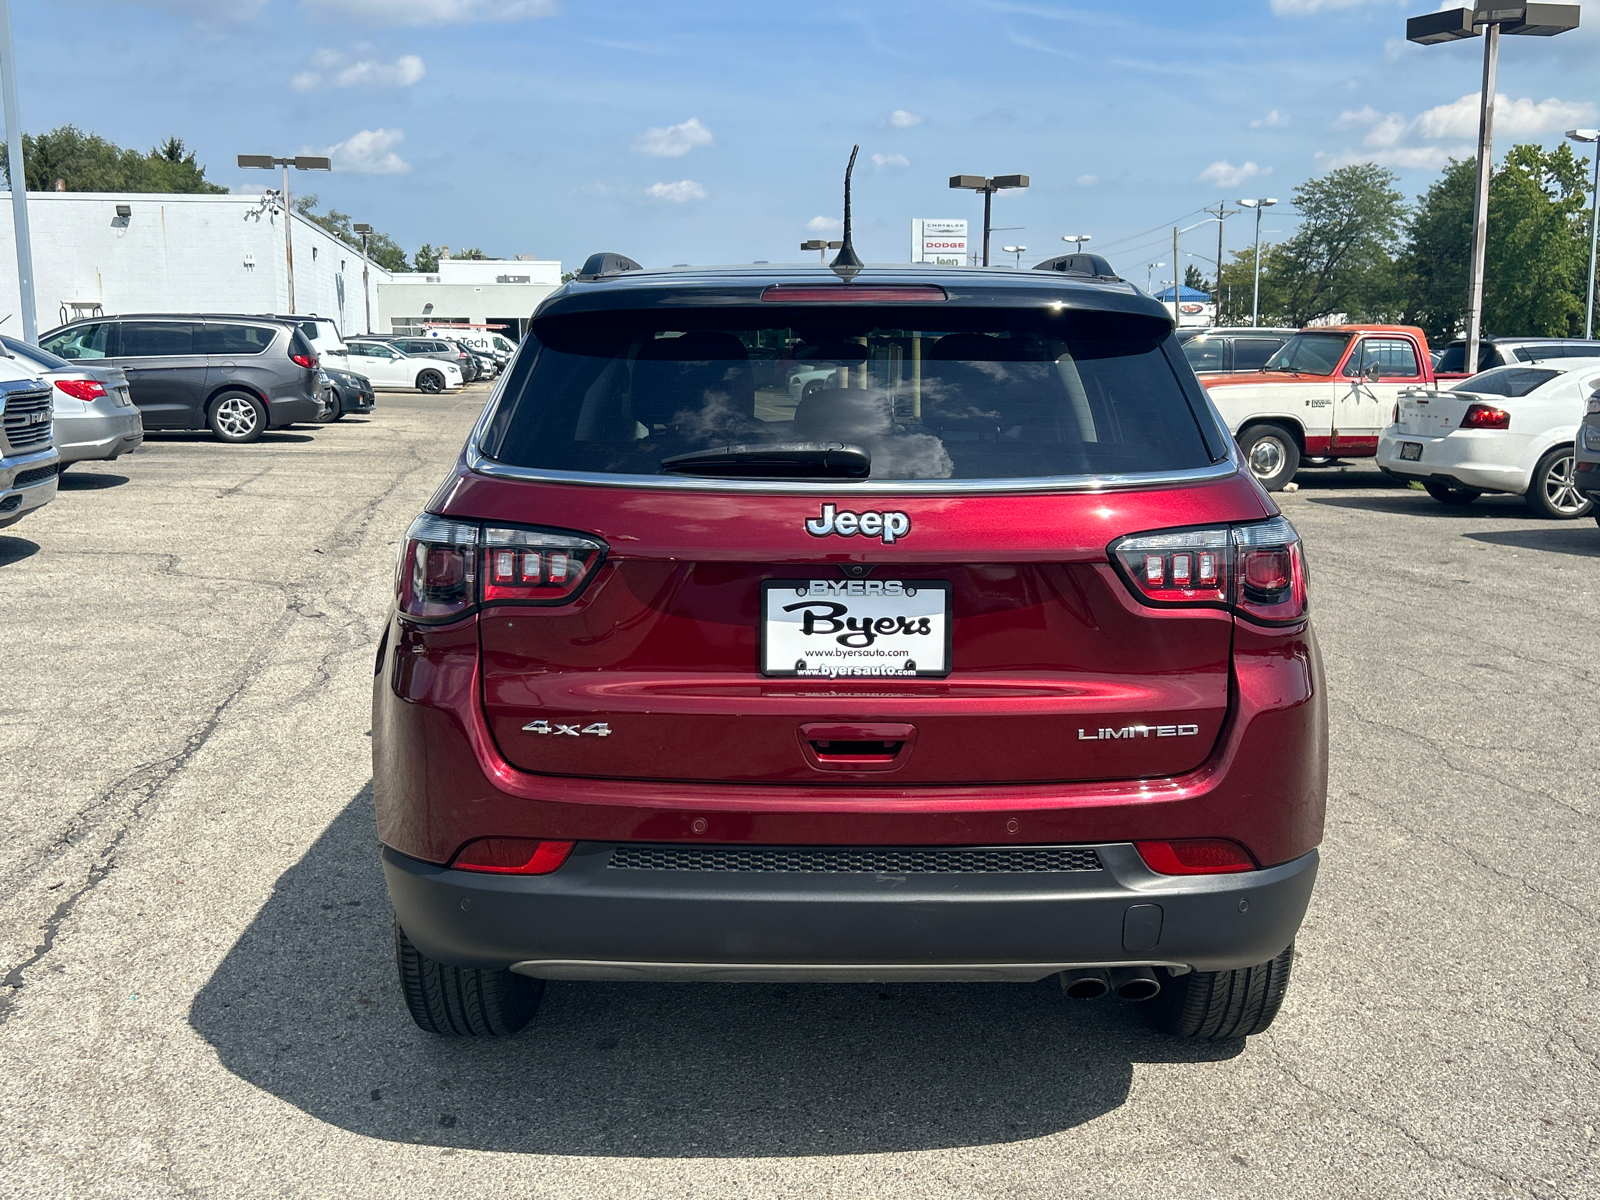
198	991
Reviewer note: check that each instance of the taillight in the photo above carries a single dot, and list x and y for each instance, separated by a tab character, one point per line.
512	856
82	389
1258	570
447	568
1394	417
304	360
1195	856
1485	416
437	575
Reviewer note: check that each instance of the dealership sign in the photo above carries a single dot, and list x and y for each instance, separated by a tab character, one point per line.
943	243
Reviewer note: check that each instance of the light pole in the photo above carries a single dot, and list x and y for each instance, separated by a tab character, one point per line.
301	162
822	247
1453	25
979	183
1017	250
1149	271
19	178
1258	205
1077	240
1591	135
365	231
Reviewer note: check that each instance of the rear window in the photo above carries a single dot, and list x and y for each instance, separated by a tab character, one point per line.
233	339
1510	382
1310	353
1251	354
157	339
985	394
1205	354
1453	360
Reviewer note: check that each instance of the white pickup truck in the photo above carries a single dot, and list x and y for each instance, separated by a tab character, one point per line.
1328	393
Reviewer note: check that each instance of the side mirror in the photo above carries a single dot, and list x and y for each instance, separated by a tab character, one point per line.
1373	373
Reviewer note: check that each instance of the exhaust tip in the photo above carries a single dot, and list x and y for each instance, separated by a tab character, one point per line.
1135	983
1085	984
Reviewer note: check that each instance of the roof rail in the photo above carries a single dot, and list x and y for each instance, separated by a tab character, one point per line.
1091	266
606	263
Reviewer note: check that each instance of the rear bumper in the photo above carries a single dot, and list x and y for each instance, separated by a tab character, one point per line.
94	436
591	920
1468	461
288	410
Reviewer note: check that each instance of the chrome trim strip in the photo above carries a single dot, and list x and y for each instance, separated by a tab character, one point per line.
594	970
478	464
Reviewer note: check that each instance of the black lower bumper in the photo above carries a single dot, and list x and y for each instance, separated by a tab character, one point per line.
594	920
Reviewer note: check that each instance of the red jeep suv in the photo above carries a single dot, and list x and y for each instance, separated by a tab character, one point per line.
920	627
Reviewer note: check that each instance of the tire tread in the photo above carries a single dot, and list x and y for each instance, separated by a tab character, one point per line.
1219	1005
463	1001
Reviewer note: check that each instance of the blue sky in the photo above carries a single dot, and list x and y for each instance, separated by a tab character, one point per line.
717	130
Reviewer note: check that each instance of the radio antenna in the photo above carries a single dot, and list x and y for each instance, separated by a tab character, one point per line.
847	265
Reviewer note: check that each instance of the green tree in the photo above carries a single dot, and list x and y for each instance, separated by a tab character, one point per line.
386	252
473	253
381	248
1341	259
86	162
1236	287
1432	267
1192	278
426	258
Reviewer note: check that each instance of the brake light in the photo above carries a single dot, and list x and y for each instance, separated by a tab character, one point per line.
304	360
852	293
1195	856
1257	570
447	568
82	389
1485	416
512	856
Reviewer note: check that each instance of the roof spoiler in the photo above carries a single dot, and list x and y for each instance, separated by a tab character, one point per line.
1090	266
597	265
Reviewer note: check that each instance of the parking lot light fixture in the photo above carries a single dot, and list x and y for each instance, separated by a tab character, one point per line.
822	247
1591	136
301	162
980	183
1017	250
1260	204
1454	25
1077	240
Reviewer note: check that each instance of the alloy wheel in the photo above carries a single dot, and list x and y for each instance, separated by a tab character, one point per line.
1560	487
236	417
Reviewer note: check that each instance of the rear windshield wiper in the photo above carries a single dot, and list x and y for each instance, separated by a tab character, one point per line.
775	460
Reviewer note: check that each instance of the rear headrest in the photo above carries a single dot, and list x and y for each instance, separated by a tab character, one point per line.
700	346
674	375
841	415
980	347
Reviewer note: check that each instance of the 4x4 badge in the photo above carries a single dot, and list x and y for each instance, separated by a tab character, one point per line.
885	525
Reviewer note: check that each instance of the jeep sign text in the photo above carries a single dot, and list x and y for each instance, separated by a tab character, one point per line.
885	525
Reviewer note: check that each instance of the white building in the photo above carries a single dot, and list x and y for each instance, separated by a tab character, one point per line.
501	292
110	253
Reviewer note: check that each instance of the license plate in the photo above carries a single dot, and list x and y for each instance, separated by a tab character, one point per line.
1411	451
833	628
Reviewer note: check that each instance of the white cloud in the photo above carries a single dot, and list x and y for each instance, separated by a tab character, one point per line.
678	193
1088	180
333	68
1512	118
901	119
1271	121
370	152
882	161
673	141
1429	158
426	12
824	224
1307	8
1224	174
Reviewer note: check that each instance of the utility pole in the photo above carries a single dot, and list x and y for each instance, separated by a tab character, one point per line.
1222	213
19	179
1176	316
365	231
1260	204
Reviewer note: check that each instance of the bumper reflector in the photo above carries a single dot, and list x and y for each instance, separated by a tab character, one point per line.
512	856
1195	856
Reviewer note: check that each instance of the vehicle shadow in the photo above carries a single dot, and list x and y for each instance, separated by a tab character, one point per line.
84	481
1325	479
305	1006
1578	537
15	549
1410	503
269	437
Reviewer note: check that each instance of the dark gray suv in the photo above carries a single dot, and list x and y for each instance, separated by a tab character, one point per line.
236	376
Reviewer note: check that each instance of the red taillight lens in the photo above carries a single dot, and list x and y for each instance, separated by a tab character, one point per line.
1485	416
82	389
853	293
536	566
1195	856
304	360
512	856
437	576
1258	570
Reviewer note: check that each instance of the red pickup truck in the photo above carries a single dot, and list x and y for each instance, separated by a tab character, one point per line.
1327	393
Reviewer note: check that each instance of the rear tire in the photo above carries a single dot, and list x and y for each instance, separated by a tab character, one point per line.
1272	455
463	1001
1218	1005
1444	493
1553	490
430	382
237	417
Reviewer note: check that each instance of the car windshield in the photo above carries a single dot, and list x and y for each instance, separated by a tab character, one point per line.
1510	382
985	394
1310	353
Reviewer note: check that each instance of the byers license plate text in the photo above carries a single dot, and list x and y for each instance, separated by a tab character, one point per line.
833	628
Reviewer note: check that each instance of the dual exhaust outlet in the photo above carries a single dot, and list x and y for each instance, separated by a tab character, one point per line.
1129	983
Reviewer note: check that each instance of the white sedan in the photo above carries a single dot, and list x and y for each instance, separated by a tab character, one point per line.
390	369
1509	429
